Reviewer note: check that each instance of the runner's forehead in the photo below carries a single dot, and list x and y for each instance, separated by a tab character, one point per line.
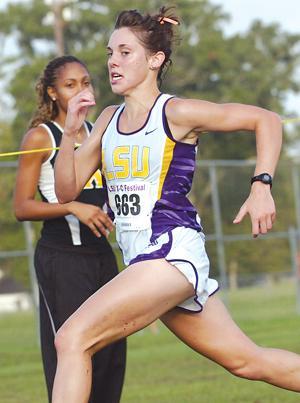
121	38
73	71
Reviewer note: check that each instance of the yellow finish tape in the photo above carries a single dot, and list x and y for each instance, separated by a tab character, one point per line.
39	150
291	120
36	150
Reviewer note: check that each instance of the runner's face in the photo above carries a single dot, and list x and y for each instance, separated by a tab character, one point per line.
128	64
71	79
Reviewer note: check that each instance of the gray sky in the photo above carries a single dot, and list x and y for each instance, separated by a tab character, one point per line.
284	12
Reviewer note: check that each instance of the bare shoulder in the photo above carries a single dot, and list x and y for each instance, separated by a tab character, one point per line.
108	112
179	109
36	137
185	118
104	119
193	115
176	104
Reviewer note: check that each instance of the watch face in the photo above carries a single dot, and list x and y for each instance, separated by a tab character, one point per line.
266	178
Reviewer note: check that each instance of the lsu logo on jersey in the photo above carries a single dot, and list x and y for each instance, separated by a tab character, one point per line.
95	182
128	162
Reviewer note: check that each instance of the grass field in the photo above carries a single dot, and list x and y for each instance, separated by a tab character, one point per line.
160	368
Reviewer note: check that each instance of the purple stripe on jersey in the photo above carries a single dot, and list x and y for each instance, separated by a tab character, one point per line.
174	208
175	218
183	168
175	201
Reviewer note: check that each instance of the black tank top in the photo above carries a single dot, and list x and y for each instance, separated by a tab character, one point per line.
68	231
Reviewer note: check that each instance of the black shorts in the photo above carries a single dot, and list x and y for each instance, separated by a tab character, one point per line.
66	278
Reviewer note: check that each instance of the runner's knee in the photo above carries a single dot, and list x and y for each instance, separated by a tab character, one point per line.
248	366
68	339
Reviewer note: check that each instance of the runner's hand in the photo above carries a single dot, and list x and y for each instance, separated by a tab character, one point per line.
77	111
92	216
261	208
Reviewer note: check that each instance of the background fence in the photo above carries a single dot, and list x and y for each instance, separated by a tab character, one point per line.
220	187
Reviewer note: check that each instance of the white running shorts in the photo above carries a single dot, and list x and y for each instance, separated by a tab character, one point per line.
184	248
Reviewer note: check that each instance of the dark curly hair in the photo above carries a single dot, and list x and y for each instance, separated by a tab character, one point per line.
47	108
154	33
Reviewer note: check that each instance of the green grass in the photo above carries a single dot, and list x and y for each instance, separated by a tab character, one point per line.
160	368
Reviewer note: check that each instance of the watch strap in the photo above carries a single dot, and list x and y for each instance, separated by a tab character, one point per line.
264	178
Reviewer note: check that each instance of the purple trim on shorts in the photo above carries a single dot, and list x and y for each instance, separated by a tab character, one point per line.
157	254
217	289
188	310
196	285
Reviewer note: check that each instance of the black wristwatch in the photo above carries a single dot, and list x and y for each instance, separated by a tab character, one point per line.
264	178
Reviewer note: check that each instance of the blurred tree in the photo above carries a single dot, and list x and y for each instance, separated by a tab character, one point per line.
11	233
257	67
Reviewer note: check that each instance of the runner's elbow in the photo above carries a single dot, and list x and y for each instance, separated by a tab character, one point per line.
63	199
64	196
20	212
19	215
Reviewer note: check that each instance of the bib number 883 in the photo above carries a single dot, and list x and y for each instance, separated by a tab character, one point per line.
128	204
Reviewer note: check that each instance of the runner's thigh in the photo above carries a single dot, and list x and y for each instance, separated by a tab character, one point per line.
212	333
130	301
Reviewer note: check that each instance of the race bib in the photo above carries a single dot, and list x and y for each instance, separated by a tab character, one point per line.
131	204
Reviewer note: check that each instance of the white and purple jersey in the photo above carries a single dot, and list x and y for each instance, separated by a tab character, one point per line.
149	175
